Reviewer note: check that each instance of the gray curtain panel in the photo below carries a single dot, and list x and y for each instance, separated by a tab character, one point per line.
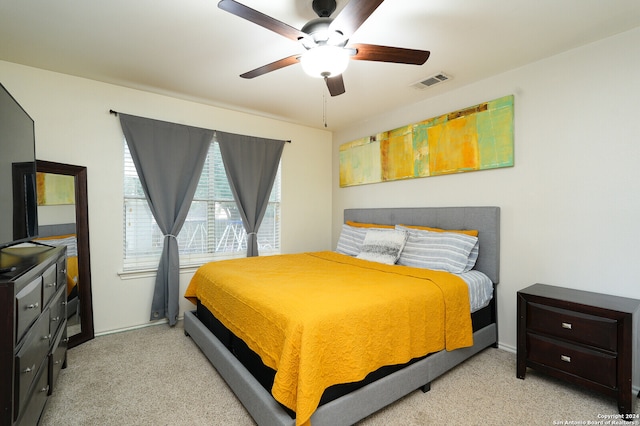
251	165
169	159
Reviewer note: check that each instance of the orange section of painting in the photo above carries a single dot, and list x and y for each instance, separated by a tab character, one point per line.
397	154
453	147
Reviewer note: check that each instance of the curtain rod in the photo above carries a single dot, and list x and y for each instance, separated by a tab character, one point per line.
116	114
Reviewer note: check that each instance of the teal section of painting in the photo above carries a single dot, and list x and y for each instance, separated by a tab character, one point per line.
475	138
495	134
360	162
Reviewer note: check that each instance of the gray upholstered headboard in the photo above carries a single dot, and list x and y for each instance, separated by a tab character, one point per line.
59	229
485	219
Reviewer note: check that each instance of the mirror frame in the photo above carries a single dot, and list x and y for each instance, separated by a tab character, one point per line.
82	235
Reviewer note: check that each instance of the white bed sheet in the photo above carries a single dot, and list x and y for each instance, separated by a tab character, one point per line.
480	289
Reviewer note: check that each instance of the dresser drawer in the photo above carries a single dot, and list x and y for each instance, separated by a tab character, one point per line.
32	411
573	359
28	306
62	272
49	283
57	357
57	311
31	356
574	326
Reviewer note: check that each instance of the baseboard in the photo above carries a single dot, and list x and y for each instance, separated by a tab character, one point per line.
507	348
135	327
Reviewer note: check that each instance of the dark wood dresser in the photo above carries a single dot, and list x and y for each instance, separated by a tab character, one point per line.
582	337
33	329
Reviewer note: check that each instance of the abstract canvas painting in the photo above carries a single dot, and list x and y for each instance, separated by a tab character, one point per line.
475	138
55	189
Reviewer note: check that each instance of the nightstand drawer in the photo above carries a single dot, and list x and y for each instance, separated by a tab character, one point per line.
580	361
574	326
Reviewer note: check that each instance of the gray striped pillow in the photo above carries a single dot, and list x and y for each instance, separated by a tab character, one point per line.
473	257
350	241
442	251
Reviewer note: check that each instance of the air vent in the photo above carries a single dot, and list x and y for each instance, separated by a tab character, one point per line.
431	81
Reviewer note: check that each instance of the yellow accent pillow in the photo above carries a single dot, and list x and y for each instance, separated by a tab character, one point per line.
472	232
72	273
55	237
368	225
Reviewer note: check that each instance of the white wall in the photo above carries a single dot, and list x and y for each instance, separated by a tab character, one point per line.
571	204
53	215
73	125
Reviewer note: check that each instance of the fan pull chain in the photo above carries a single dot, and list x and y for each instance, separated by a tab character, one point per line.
324	109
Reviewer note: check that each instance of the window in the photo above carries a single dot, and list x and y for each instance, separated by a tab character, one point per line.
213	228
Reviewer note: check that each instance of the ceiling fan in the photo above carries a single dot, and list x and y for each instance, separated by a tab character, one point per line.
325	41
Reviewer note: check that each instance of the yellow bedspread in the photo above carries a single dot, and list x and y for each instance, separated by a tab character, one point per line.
323	318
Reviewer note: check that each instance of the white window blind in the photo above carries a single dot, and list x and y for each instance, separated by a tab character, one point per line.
212	229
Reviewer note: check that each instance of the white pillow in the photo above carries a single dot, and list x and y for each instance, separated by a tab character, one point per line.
442	251
383	245
350	240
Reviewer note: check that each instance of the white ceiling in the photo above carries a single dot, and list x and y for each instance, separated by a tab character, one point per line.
191	49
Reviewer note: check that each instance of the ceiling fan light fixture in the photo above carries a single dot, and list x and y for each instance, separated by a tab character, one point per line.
325	61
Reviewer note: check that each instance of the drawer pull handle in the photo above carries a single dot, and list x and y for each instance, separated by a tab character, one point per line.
565	358
33	305
55	319
51	285
29	369
45	389
47	337
566	325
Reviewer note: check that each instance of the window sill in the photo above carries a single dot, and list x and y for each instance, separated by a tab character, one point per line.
134	274
146	273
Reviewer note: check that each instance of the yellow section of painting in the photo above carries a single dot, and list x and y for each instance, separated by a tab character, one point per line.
54	189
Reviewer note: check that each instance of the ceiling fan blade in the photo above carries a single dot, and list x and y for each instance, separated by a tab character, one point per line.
335	85
353	15
284	62
261	19
398	55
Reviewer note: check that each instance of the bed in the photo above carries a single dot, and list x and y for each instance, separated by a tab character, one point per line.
251	376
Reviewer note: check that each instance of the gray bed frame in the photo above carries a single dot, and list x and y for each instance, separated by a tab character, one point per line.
367	400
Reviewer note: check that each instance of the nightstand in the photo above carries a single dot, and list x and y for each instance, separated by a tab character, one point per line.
582	337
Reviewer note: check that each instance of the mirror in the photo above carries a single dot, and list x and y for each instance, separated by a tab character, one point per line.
80	305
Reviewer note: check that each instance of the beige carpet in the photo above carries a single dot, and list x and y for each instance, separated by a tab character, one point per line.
157	376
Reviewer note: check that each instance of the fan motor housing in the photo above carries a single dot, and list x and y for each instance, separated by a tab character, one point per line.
324	8
316	25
